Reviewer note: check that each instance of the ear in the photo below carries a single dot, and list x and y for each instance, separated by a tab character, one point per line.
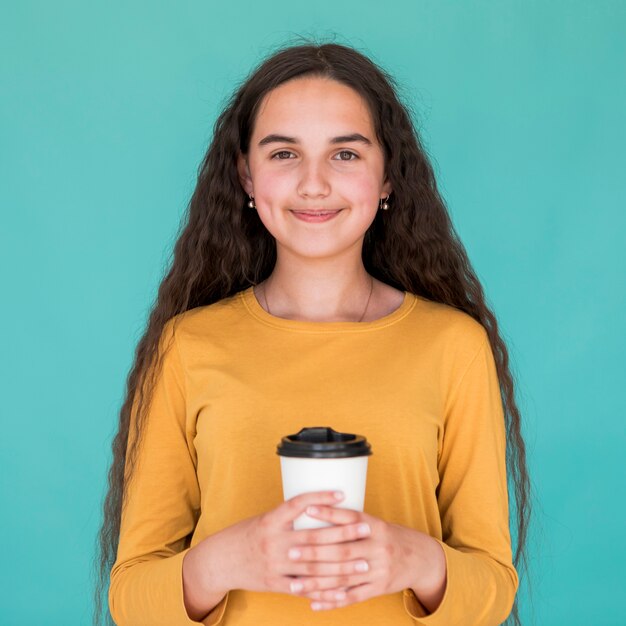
387	189
244	173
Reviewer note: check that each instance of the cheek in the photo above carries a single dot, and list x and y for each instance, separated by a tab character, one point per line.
359	190
272	188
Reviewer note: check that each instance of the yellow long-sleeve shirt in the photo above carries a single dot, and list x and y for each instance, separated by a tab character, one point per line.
419	383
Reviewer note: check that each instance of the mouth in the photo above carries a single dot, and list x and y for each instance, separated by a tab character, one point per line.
316	216
321	212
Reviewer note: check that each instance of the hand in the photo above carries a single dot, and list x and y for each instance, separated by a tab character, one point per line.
251	554
265	541
396	558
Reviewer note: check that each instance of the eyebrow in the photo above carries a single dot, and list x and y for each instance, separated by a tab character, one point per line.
341	139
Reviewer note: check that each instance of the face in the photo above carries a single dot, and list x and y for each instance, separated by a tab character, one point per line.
313	148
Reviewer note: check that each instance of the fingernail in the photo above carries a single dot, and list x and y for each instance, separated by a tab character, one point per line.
363	530
294	553
361	566
339	495
296	586
312	510
316	606
340	595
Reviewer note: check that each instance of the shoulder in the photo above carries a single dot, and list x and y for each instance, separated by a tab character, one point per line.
217	319
450	340
453	330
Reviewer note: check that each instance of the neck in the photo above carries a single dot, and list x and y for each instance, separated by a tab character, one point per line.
322	292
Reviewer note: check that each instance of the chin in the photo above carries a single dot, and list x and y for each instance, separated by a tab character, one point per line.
321	249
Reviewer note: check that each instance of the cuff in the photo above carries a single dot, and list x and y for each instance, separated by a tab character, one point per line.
214	616
478	590
412	605
442	614
156	595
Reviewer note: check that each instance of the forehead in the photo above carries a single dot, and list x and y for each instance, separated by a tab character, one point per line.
308	103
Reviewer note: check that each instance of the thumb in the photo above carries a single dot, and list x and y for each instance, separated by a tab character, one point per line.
294	507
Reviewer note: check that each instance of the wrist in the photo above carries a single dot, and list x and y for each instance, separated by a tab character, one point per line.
198	595
203	568
226	557
430	585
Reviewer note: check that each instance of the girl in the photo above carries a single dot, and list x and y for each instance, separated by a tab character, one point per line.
318	281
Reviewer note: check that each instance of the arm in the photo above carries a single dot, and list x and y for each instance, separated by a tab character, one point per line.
203	590
162	505
481	581
429	589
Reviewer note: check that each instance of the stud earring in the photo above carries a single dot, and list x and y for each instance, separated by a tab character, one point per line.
251	203
384	206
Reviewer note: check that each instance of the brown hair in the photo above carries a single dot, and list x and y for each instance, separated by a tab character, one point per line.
224	248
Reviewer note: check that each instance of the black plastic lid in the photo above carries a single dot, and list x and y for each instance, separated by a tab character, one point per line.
322	442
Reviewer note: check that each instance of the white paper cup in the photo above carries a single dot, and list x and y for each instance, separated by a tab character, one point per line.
322	459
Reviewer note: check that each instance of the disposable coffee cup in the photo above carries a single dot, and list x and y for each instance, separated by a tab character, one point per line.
321	459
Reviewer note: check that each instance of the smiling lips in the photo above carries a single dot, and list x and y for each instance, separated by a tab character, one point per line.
315	216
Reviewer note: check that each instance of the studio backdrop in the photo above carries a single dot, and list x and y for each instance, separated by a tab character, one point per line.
107	109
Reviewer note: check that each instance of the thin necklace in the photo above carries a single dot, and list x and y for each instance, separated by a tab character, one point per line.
362	316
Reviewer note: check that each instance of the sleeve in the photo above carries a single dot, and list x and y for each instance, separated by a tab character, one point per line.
161	511
473	504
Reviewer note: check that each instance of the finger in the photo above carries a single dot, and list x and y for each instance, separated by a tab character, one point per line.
324	536
358	566
342	551
317	595
336	514
331	584
330	600
323	606
294	507
302	586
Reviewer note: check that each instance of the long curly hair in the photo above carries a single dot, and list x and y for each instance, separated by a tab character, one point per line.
224	248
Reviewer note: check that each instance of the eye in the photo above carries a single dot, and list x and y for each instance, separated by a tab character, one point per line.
349	152
281	152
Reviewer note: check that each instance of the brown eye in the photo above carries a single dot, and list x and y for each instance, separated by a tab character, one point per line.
281	152
348	152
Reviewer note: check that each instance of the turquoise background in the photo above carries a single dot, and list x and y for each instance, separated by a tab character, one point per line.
106	111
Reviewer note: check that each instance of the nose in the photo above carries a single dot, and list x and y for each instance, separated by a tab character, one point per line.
313	180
